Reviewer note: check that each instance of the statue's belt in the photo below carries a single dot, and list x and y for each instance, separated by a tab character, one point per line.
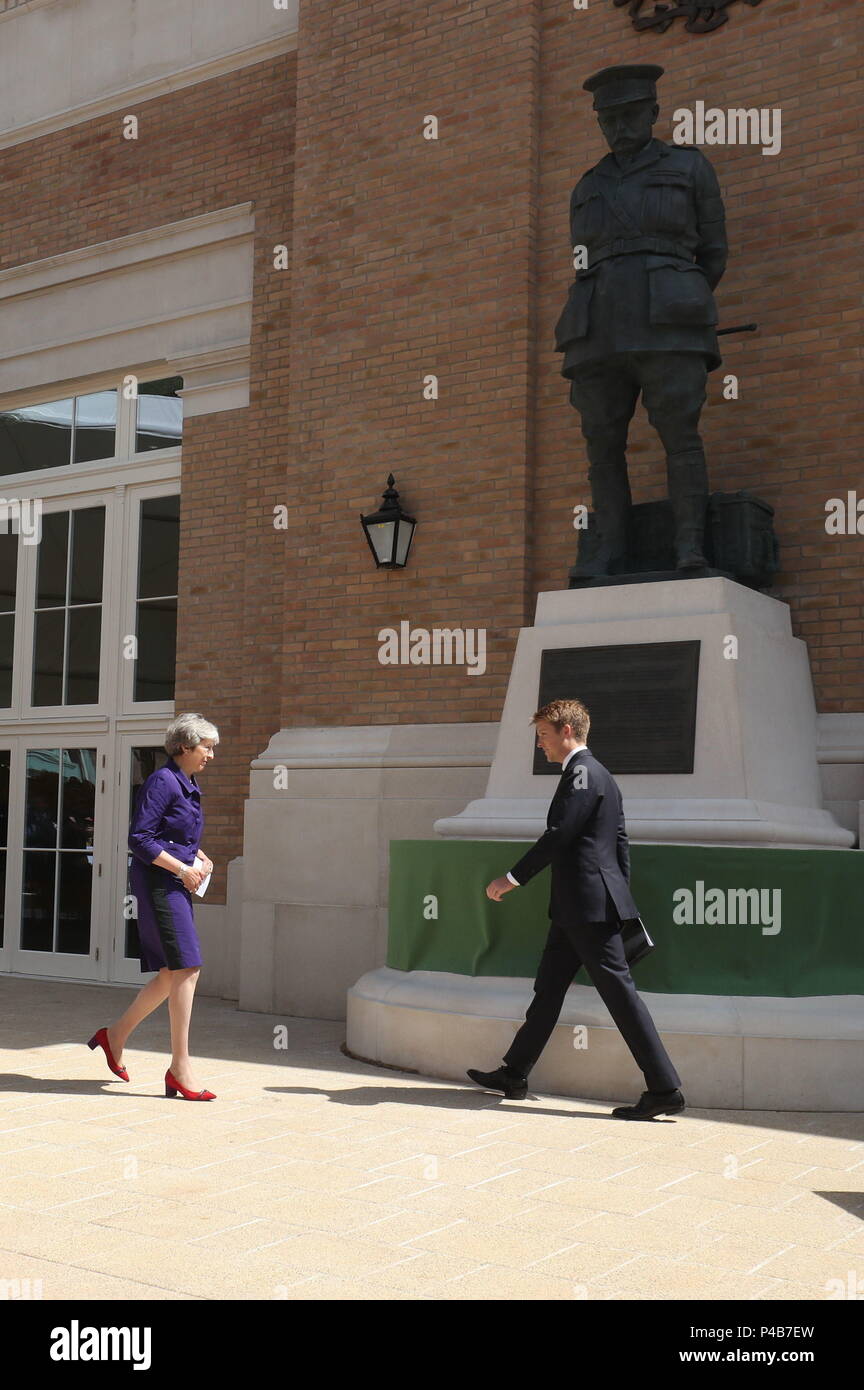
623	246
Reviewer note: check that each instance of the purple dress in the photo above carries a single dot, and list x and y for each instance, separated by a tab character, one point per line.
167	816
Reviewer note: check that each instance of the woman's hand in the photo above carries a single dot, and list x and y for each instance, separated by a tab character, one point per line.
207	865
191	877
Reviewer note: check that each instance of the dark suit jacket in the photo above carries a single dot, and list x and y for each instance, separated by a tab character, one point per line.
586	845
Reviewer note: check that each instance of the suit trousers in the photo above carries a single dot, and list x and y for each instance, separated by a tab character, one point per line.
599	947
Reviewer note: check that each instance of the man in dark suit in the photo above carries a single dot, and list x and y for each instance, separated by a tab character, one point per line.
586	845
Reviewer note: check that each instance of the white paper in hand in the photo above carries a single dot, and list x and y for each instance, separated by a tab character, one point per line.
202	886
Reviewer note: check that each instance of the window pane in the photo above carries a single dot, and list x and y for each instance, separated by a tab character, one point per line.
37	436
78	798
73	918
74	541
40	829
88	543
41	795
159	547
48	657
7	640
5	760
8	570
95	426
82	674
37	901
160	414
53	558
42	865
8	573
157	644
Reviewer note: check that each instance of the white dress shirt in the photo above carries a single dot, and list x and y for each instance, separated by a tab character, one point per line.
573	751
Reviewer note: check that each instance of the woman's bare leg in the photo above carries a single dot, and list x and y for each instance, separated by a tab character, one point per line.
180	999
147	999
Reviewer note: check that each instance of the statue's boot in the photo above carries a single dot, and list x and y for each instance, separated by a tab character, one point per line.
609	548
610	501
688	491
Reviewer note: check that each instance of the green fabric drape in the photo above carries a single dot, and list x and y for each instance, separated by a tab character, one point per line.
818	950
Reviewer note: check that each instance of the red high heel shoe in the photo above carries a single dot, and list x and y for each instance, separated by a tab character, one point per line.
100	1039
172	1086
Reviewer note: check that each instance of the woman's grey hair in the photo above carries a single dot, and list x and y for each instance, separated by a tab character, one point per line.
187	731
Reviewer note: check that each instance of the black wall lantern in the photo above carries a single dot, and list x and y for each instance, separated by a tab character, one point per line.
389	531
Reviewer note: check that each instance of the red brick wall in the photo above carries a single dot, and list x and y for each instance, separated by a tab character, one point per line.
417	257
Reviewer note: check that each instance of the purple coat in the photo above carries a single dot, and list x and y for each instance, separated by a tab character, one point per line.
167	816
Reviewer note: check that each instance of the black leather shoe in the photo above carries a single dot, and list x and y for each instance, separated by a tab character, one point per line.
652	1103
513	1086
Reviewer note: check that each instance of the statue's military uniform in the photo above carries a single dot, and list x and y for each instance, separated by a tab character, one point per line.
656	243
641	317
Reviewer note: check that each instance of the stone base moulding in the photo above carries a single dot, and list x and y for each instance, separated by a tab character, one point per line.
732	1053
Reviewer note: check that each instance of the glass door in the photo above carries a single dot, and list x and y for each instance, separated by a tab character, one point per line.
56	879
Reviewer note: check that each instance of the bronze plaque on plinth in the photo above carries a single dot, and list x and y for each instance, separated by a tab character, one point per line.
641	698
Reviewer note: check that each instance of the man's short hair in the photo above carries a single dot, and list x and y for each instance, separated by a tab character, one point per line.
561	712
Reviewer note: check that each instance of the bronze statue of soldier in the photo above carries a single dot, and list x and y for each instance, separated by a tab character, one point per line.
640	317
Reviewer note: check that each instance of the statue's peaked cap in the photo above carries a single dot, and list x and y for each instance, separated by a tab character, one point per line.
625	82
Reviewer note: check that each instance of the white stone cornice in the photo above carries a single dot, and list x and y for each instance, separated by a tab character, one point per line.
168	239
381	746
177	297
216	380
63	62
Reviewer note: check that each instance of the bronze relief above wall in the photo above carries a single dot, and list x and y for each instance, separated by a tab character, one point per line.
700	18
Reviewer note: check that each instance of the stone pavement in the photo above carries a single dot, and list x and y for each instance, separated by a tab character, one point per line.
315	1176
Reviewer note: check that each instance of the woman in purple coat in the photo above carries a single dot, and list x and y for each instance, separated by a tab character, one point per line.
165	837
